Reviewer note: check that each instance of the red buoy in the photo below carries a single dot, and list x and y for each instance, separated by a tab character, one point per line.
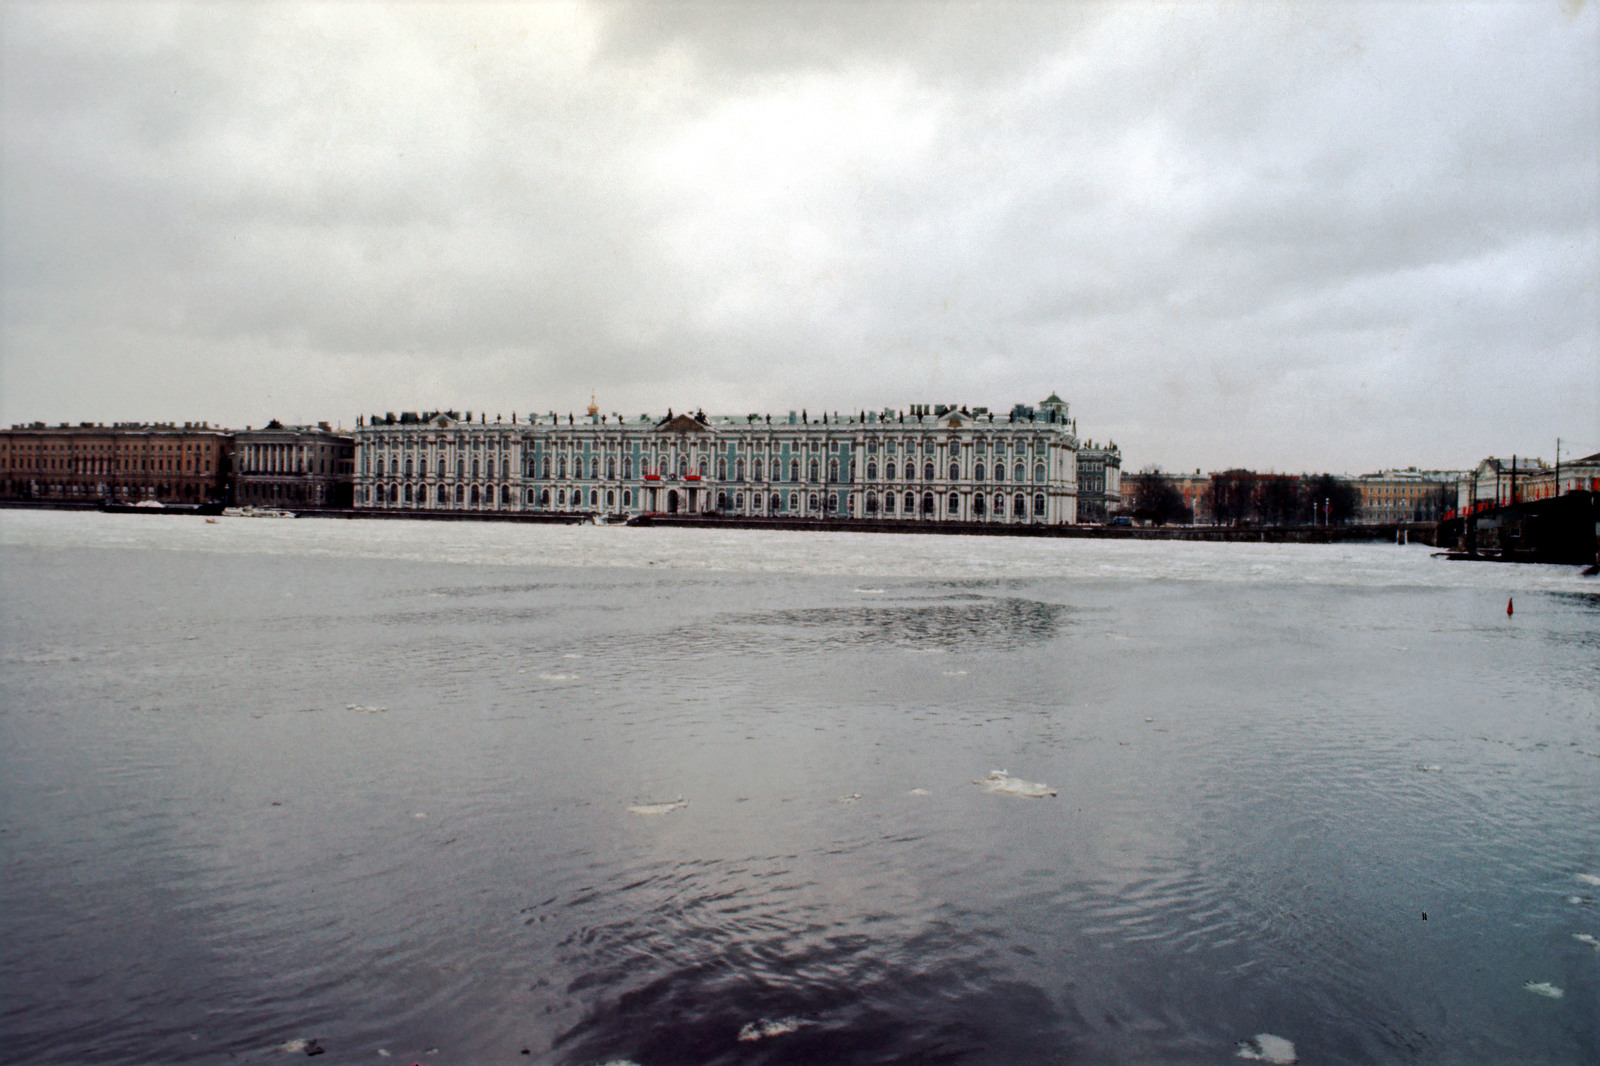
1508	606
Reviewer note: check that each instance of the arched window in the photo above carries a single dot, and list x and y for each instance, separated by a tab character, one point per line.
544	498
954	504
888	470
422	468
794	470
408	494
394	493
927	470
955	470
888	503
380	467
1019	506
999	470
910	502
475	497
833	470
979	472
811	471
1038	471
738	501
474	468
722	474
544	467
977	506
811	503
561	467
777	503
408	468
738	470
999	505
490	471
627	468
459	494
561	497
722	501
872	498
702	467
927	503
794	501
611	469
594	475
872	474
594	498
683	465
1038	505
1016	472
627	498
530	497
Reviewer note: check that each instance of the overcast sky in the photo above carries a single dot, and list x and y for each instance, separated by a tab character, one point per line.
1304	236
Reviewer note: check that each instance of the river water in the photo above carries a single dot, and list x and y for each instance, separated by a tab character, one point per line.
368	784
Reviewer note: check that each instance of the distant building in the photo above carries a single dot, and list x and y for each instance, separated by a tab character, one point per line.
293	467
127	462
1099	482
925	464
1410	495
1578	475
1194	488
1498	482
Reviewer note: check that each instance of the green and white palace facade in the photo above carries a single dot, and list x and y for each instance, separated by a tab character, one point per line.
923	465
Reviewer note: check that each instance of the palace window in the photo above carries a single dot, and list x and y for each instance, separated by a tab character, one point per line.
1038	471
999	471
474	474
927	470
490	471
1038	505
627	498
955	505
978	471
833	470
777	503
999	505
794	470
611	471
872	500
927	503
476	499
955	471
872	472
722	475
1017	472
977	506
722	501
738	470
811	469
811	503
888	503
611	499
888	470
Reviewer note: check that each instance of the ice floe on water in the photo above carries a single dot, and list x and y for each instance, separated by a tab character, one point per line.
869	592
853	797
919	792
306	1047
654	809
1001	781
767	1028
955	673
367	710
558	677
572	655
1587	938
1430	768
1581	901
1588	879
1265	1047
1543	988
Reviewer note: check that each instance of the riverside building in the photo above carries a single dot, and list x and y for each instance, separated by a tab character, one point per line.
127	462
300	467
938	464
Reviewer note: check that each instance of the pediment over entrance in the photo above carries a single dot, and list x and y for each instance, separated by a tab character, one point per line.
682	424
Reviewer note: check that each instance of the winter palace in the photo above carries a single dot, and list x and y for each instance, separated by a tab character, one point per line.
938	464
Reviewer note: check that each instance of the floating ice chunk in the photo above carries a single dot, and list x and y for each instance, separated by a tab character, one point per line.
1430	768
383	1052
766	1027
1543	988
919	792
1587	938
368	710
653	809
1580	901
955	673
419	815
850	798
293	1046
1588	879
868	592
558	677
1268	1048
1000	781
572	655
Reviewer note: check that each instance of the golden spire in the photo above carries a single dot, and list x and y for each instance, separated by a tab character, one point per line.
594	408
